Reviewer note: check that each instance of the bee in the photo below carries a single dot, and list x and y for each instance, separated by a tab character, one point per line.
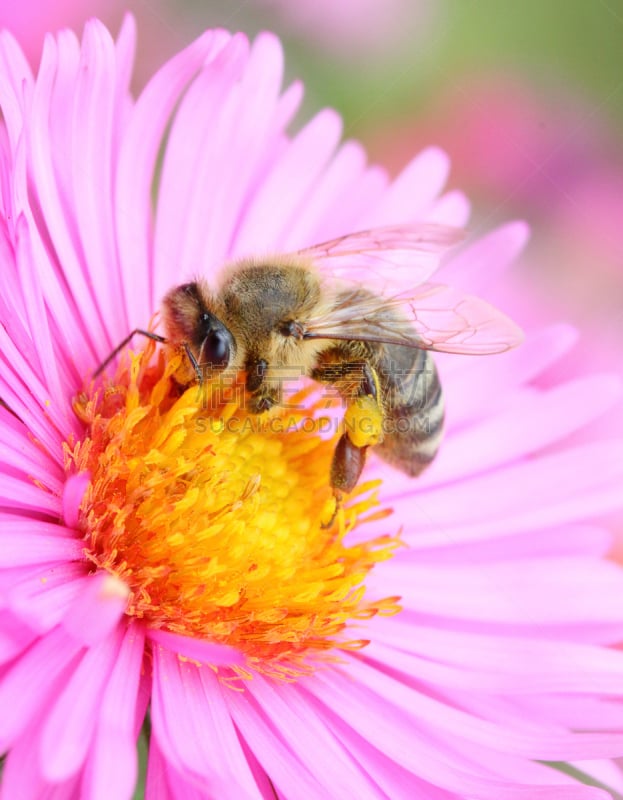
338	312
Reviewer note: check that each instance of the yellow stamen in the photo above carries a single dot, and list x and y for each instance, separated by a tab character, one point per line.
213	519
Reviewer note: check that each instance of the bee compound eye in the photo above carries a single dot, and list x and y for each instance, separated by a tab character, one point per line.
216	349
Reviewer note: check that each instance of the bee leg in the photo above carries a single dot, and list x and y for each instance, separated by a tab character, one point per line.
120	346
331	510
346	467
359	385
363	419
370	385
363	423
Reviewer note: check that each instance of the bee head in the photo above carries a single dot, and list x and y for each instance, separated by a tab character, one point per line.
190	321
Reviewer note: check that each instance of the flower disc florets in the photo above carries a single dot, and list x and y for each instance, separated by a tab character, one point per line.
215	518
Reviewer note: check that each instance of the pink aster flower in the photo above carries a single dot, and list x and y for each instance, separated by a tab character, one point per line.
158	572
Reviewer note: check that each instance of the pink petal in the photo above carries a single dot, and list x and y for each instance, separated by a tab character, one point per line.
135	173
567	540
32	682
125	49
231	752
476	269
201	650
287	185
51	133
264	784
495	663
452	208
347	217
290	713
287	106
193	138
413	191
18	377
395	732
102	604
188	729
528	741
11	300
73	493
156	785
533	422
22	494
92	163
507	592
290	777
15	87
518	497
327	199
165	783
395	781
18	451
607	772
21	547
11	577
112	765
30	401
29	783
241	124
57	407
15	637
44	597
68	730
483	384
533	714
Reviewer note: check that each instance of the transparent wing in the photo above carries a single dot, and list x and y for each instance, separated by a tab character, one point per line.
385	259
436	318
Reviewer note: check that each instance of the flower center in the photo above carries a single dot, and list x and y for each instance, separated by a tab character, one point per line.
214	517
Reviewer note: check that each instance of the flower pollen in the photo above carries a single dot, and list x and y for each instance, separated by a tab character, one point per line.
214	518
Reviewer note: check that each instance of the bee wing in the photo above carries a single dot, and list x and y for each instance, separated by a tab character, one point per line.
436	318
385	258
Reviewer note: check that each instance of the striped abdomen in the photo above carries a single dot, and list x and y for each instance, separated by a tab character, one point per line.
413	403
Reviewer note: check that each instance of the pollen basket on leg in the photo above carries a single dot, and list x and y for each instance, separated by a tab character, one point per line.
214	518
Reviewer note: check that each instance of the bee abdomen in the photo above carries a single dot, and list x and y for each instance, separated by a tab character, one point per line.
414	410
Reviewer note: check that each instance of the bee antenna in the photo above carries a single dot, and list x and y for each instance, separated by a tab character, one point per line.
156	338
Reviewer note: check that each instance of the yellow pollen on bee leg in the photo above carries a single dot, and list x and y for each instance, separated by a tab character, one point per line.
213	519
363	422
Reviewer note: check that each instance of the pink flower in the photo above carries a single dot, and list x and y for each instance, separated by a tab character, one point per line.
272	674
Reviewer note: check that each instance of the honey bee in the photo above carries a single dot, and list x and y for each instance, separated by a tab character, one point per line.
338	313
